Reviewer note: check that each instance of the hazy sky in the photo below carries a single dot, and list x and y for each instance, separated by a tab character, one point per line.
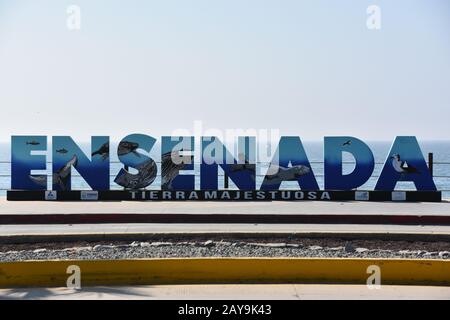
309	68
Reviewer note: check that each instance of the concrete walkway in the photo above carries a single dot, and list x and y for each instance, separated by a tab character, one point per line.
157	228
233	292
259	208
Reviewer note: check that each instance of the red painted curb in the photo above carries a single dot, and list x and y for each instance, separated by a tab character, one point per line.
94	218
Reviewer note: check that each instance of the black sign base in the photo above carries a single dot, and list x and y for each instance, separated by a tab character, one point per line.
225	195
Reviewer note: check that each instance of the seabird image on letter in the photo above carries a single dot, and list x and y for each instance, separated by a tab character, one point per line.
103	151
347	143
401	166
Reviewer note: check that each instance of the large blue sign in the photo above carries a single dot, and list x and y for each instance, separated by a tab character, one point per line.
405	162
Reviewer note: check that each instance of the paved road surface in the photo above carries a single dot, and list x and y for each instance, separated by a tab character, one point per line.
233	292
261	208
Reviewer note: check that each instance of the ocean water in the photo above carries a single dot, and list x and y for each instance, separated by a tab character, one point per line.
314	150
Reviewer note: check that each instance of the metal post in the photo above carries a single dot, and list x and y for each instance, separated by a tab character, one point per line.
225	180
126	169
431	162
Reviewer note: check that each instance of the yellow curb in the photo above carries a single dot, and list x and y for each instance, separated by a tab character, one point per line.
224	270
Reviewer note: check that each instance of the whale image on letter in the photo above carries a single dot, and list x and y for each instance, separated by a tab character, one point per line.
145	176
62	175
126	147
276	174
39	180
171	163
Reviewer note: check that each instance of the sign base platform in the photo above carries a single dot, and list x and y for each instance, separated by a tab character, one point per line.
225	195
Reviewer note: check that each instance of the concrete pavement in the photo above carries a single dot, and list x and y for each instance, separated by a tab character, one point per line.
234	292
225	212
173	228
259	208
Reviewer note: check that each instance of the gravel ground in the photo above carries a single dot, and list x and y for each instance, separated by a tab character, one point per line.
321	248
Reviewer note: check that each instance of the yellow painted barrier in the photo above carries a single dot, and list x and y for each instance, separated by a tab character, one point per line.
224	270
